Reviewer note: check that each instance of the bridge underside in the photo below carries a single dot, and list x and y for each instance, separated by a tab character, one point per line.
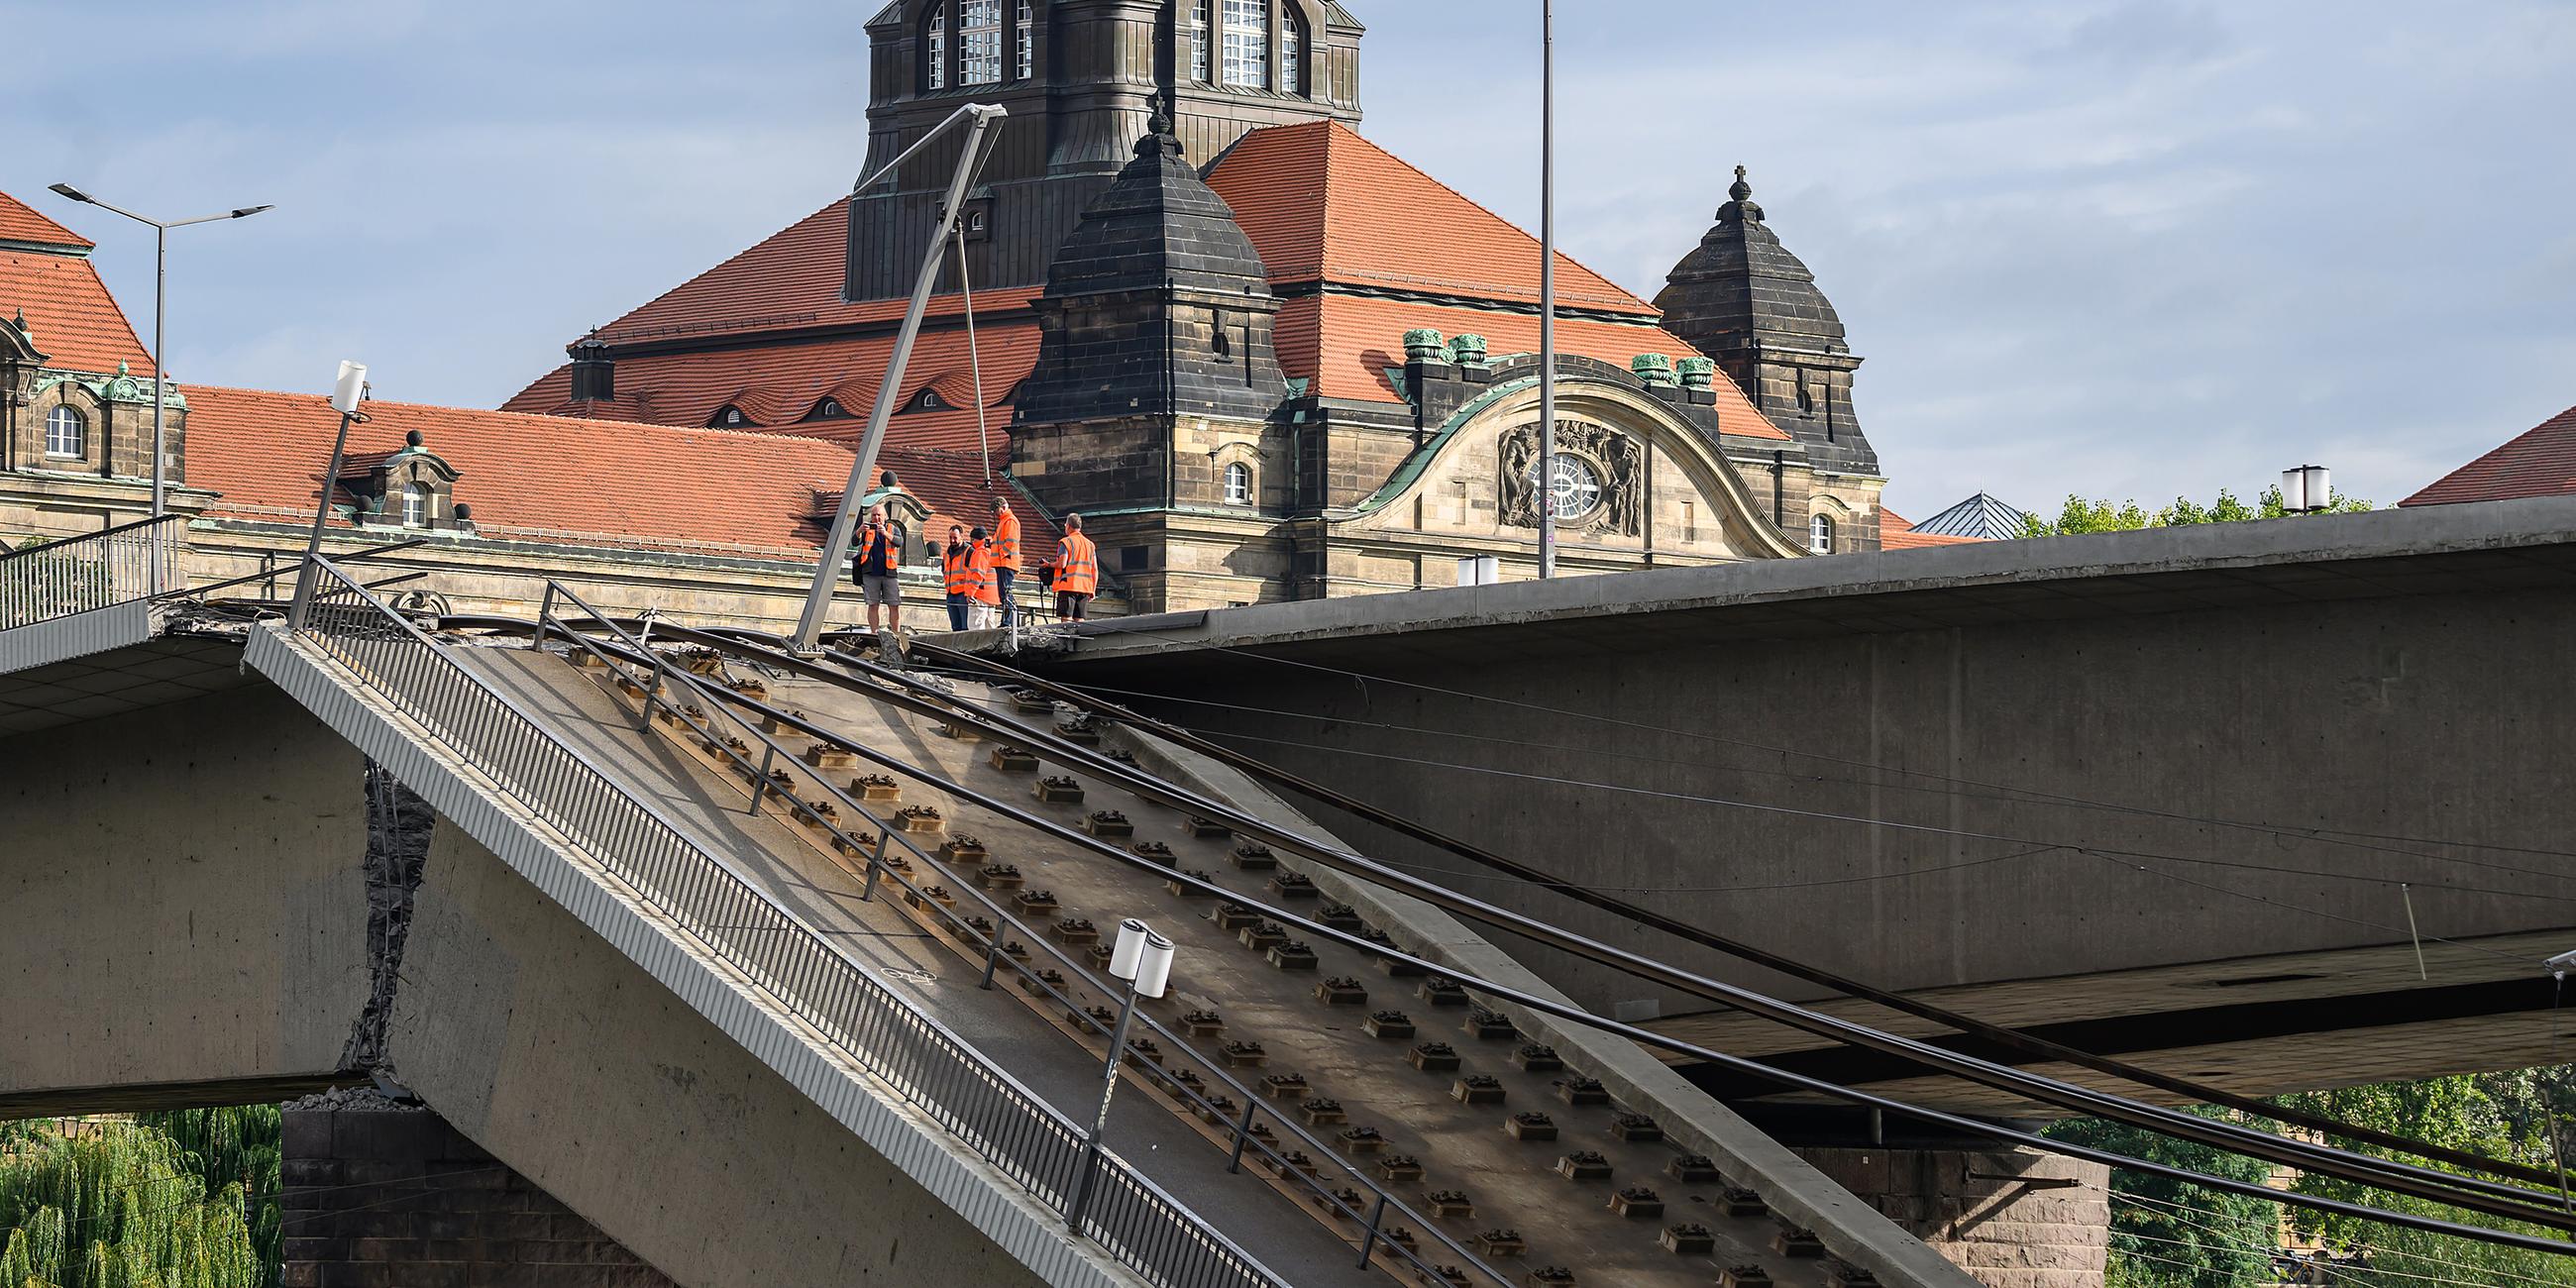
2192	797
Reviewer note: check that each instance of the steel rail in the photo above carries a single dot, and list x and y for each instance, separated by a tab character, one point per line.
1574	1014
2028	1044
2472	1193
1239	1119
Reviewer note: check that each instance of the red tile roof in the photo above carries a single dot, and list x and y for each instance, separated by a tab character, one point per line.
790	280
20	223
622	482
1896	532
74	322
2539	462
1320	202
1347	343
952	484
776	385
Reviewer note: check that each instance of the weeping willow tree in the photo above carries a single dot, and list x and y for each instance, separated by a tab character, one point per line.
236	1145
124	1205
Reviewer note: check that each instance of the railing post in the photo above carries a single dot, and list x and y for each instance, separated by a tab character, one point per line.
545	614
760	783
1100	1125
1242	1135
992	957
876	863
1368	1240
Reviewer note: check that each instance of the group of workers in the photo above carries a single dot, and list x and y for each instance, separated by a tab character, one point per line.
978	569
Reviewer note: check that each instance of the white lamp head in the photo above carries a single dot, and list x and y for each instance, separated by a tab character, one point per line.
350	388
2294	489
1131	945
1154	966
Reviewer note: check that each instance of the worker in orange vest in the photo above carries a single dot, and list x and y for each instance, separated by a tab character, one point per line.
1006	555
984	612
875	565
957	567
1077	570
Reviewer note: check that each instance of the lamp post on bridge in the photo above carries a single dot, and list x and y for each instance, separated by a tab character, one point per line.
160	280
1144	960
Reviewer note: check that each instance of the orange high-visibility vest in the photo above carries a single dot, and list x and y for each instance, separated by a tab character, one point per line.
1077	567
872	541
1006	541
984	590
958	562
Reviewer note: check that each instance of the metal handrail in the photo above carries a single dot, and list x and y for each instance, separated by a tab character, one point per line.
119	565
1004	920
736	922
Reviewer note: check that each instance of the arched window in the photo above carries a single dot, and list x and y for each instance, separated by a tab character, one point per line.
1820	534
729	418
1026	36
934	48
415	501
66	433
1292	53
979	42
1199	37
1238	484
1247	43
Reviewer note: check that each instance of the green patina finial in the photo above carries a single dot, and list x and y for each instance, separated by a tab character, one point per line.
1422	344
1467	350
1697	372
1653	368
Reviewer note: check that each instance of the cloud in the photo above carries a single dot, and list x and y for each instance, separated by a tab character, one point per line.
2128	247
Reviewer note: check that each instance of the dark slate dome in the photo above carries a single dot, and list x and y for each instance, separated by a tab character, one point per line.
1741	281
1157	223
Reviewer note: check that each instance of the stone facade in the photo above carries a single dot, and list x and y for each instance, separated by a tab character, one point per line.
1093	69
2013	1218
383	1196
105	478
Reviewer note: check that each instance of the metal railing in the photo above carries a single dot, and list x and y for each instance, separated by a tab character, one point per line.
734	921
1359	1198
102	569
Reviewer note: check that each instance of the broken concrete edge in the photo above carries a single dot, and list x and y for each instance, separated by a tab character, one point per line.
1850	1227
985	1197
2528	523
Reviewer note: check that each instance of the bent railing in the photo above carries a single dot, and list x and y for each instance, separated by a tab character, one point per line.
102	569
731	919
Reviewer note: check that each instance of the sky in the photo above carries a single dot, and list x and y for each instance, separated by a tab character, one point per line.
2129	248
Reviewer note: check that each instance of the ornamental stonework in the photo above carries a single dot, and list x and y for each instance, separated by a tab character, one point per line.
1597	484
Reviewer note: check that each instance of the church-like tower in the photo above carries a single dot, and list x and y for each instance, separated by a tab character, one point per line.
1077	77
1740	297
1155	368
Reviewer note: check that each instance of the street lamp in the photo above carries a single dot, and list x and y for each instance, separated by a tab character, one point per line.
160	276
2307	489
1144	960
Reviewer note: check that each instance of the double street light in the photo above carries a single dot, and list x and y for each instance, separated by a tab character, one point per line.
160	277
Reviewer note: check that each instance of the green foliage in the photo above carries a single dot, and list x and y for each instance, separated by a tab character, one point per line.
2081	516
235	1145
2155	1246
127	1205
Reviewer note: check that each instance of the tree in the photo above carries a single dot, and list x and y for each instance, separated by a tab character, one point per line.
2081	516
125	1205
2173	1234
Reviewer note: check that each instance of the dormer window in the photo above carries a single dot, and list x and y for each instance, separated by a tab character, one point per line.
66	433
828	409
416	505
729	417
927	400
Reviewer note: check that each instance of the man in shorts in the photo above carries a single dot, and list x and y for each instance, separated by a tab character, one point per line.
873	564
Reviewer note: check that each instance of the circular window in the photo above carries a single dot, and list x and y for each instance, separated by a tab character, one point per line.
1573	488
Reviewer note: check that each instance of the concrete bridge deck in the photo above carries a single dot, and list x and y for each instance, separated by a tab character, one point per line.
2170	793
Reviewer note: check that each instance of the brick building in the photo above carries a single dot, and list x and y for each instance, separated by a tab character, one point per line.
1263	357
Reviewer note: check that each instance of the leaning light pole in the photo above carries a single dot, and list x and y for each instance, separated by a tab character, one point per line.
1544	486
160	279
980	118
